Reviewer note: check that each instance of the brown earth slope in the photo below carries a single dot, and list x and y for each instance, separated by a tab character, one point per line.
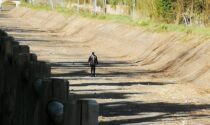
143	78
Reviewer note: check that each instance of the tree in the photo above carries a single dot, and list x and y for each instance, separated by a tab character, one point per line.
51	3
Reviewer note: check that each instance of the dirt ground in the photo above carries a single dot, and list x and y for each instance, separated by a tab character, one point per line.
143	77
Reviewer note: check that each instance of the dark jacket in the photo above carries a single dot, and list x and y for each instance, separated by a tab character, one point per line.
93	60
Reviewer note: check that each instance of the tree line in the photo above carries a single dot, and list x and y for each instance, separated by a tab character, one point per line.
188	12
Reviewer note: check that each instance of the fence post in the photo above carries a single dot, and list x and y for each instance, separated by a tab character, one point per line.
53	90
81	112
41	86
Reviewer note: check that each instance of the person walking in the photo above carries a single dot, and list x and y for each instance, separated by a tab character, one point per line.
93	61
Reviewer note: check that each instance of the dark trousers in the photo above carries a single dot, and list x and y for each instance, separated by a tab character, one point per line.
93	70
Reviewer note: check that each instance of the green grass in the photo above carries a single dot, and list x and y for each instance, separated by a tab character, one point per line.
65	11
37	7
8	3
145	23
114	18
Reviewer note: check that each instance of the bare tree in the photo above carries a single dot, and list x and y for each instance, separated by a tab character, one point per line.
52	4
105	6
78	3
133	8
95	6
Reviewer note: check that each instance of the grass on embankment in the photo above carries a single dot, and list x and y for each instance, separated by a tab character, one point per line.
146	23
7	4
